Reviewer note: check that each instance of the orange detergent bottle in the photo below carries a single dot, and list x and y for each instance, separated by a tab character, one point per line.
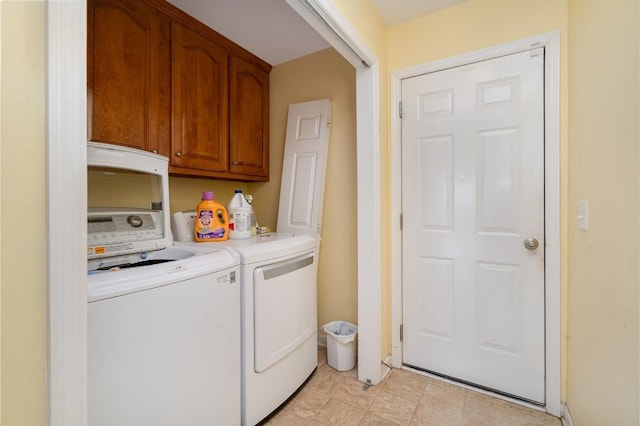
212	221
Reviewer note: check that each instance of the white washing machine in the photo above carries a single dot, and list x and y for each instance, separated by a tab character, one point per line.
164	342
164	339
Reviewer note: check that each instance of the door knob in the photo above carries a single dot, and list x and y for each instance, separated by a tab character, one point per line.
530	243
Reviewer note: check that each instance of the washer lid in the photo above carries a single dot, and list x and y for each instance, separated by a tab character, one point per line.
184	263
128	201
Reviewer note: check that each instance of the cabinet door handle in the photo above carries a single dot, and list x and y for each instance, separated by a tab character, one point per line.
235	163
179	154
155	151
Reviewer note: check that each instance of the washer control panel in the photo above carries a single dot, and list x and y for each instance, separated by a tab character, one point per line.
113	232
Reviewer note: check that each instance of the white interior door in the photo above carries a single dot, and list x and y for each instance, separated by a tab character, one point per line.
473	210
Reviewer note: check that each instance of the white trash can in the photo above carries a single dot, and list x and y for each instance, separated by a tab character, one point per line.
341	345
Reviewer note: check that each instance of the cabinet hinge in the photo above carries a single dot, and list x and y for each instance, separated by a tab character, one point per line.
400	108
401	332
401	221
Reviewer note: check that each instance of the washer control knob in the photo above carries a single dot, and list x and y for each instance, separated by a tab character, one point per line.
135	221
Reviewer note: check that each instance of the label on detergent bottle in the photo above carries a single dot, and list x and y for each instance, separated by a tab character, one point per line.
207	229
211	222
239	222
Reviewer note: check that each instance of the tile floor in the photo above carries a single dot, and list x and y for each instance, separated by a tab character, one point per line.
404	398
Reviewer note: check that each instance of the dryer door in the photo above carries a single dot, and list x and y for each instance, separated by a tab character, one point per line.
284	308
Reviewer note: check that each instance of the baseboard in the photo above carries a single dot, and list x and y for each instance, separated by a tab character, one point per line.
322	340
567	420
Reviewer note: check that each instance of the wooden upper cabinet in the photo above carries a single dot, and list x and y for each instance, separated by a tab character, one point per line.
128	76
200	88
249	106
161	81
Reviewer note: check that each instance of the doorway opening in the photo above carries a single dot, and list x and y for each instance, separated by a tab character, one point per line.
67	164
550	43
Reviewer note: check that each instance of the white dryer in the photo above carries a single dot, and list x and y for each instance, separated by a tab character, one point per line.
279	319
164	321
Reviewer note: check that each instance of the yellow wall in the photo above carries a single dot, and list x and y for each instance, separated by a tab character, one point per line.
472	25
366	20
602	385
23	219
318	76
186	193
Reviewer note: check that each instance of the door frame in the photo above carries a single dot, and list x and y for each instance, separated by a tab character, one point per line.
328	21
551	43
66	188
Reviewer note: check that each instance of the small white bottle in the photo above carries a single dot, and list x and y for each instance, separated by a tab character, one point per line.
239	217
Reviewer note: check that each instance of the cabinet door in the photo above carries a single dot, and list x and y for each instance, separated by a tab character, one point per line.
200	87
249	144
128	78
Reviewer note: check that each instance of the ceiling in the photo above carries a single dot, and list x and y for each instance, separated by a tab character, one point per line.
273	31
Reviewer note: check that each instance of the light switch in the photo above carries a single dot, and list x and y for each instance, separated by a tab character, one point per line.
583	215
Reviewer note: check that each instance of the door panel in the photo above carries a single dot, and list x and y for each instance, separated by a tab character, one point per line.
497	173
249	119
436	154
128	75
200	92
473	191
